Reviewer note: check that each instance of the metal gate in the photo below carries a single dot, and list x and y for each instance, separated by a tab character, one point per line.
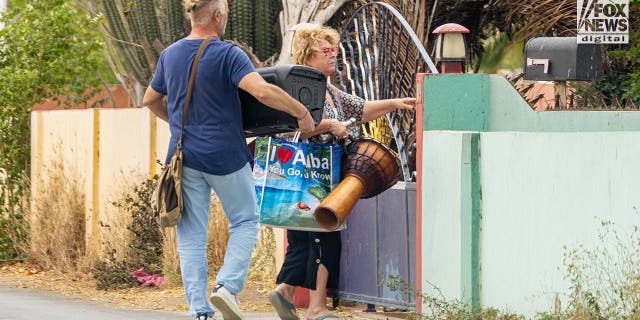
380	57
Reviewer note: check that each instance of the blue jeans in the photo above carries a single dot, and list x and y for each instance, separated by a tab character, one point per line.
236	192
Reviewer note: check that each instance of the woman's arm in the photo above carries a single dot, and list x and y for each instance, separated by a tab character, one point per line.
375	109
328	125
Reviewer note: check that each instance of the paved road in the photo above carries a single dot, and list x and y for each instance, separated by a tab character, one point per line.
28	304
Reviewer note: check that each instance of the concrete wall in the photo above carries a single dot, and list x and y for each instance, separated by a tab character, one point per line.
441	225
474	102
105	150
55	143
505	188
531	209
539	193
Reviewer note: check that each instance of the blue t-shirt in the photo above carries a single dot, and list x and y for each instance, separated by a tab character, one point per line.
213	139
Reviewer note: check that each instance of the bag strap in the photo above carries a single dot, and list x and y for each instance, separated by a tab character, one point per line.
296	136
192	80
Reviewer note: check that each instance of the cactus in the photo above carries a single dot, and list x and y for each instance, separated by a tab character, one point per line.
242	21
254	23
145	12
262	29
177	24
124	43
140	29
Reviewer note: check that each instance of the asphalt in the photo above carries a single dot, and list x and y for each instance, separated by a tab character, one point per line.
27	304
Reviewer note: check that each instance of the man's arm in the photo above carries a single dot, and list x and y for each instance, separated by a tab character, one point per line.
276	98
154	101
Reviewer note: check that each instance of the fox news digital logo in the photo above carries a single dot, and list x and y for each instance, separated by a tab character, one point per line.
603	21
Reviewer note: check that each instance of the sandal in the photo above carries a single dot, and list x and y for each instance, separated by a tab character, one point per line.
327	316
282	306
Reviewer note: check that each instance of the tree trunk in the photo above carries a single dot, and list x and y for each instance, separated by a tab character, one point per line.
299	11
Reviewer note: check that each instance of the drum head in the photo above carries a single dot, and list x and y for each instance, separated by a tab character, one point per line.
372	162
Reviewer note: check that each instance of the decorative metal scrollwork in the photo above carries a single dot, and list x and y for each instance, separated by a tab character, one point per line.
380	57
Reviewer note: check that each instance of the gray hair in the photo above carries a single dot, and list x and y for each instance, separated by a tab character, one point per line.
201	11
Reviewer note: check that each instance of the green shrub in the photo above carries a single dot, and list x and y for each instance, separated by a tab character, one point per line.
437	307
49	49
605	280
144	250
113	273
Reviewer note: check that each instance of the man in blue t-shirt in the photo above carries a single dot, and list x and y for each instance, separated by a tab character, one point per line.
215	151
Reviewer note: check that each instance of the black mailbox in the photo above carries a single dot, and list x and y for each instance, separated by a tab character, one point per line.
305	84
561	59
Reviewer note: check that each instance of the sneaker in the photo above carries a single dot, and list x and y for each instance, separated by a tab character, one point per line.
226	303
202	316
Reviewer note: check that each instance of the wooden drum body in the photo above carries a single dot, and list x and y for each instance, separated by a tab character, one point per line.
368	169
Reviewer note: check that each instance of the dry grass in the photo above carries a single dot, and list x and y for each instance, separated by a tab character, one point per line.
113	233
217	238
263	262
218	234
170	259
57	220
60	241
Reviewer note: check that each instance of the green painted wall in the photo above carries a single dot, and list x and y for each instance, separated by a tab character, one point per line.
459	103
474	102
506	188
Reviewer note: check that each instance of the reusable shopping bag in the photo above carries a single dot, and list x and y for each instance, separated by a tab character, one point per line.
291	179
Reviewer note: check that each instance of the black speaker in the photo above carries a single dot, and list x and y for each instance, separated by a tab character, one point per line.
304	84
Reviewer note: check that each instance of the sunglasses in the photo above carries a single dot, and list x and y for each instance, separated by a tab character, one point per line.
329	51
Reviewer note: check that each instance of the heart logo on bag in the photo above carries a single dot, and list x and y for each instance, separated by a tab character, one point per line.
284	155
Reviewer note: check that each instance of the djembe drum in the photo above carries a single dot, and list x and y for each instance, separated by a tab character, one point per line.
368	169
